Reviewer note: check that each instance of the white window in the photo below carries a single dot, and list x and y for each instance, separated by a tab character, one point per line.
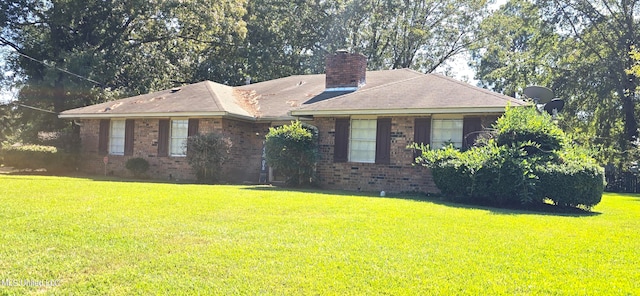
445	131
116	137
178	143
362	143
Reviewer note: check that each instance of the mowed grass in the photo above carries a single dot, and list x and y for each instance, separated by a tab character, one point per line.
122	238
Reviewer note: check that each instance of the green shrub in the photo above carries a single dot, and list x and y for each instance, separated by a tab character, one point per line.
293	150
39	157
138	166
518	170
504	176
576	180
526	125
206	153
449	171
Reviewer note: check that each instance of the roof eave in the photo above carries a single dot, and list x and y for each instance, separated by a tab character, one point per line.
154	115
465	110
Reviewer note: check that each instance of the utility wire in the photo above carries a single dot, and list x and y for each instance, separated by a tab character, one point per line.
56	68
34	108
52	67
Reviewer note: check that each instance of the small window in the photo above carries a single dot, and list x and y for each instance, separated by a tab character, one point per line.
179	133
116	137
362	146
445	131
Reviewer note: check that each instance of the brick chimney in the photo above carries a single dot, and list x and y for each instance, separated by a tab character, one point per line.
344	69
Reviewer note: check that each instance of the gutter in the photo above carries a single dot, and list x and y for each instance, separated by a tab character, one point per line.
156	115
399	112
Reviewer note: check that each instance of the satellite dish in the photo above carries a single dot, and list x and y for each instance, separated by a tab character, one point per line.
539	94
554	106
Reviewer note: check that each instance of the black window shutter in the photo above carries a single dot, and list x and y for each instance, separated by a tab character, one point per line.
470	127
383	141
341	143
163	137
421	132
193	127
103	136
128	136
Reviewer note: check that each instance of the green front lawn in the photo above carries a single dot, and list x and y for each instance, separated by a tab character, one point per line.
108	237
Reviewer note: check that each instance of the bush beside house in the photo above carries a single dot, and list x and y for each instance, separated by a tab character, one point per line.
206	153
529	162
292	150
35	157
138	166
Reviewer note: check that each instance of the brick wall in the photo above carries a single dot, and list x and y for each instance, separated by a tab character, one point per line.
243	164
246	151
398	176
345	70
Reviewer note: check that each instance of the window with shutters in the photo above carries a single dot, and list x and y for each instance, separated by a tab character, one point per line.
445	131
178	139
362	144
116	137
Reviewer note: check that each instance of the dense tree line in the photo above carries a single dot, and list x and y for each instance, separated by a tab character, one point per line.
578	48
581	50
122	48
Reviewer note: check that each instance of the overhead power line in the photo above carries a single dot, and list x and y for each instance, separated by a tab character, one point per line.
49	66
34	108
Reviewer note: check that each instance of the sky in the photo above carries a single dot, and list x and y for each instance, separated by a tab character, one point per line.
5	95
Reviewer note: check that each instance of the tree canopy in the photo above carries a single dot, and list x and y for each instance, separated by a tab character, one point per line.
579	49
72	53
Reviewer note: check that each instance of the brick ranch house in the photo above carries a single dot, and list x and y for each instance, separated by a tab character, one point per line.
365	120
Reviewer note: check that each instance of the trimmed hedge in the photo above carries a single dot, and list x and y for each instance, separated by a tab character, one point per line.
39	157
572	183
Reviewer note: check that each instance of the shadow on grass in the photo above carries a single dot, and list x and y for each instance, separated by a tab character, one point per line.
543	209
311	190
537	209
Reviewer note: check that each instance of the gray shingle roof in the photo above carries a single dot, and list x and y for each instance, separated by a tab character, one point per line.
430	93
203	98
399	91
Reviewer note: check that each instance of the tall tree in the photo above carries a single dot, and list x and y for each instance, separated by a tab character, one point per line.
577	48
113	48
293	37
605	32
516	49
418	34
